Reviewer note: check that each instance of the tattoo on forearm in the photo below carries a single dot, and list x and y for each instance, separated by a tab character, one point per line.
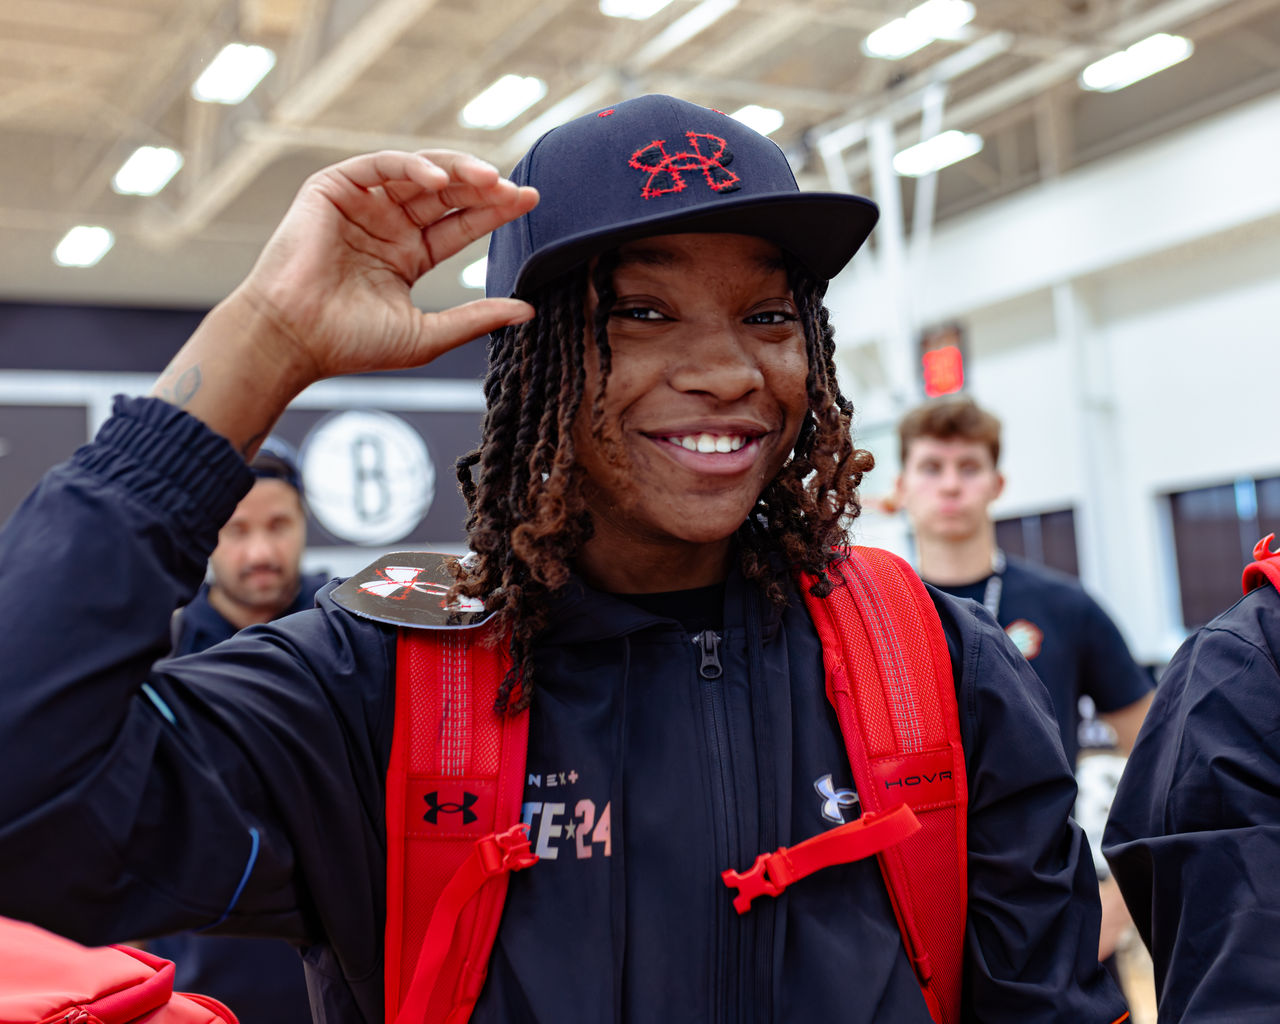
179	388
251	445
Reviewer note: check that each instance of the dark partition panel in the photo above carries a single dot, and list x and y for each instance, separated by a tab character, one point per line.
33	438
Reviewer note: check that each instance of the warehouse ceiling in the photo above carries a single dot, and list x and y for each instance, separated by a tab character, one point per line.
84	82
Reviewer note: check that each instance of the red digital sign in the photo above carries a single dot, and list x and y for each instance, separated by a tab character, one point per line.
942	353
943	371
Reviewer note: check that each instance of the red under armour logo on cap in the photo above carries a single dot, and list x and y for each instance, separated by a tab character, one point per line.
707	153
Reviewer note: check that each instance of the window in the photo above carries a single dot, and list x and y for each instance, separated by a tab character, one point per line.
1047	539
1214	531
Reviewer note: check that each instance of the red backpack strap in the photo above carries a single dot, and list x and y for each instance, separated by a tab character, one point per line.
1264	567
889	678
455	784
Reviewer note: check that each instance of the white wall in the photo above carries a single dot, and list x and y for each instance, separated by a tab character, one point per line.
1123	323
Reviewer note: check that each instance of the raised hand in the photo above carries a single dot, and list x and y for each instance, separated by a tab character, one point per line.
336	274
329	294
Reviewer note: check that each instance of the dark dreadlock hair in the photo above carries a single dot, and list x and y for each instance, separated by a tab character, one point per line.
527	517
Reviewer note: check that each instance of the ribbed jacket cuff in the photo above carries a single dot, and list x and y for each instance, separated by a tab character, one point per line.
169	460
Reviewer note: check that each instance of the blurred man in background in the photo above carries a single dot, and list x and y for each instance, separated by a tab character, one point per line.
255	572
950	452
255	575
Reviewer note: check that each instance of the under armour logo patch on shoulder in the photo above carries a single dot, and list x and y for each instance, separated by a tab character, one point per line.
397	582
410	588
708	154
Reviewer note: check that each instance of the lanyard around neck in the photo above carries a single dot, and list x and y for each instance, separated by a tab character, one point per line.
995	584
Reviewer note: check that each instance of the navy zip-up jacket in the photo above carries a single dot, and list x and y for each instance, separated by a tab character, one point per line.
243	788
1194	832
260	979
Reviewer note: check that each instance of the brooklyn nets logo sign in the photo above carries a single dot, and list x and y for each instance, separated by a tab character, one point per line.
370	479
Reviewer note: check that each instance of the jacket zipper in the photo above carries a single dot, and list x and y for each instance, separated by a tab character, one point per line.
710	671
708	642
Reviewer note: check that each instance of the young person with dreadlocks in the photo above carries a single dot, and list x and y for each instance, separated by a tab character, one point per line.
665	448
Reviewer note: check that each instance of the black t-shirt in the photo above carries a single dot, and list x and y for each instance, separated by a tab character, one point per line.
696	609
1069	640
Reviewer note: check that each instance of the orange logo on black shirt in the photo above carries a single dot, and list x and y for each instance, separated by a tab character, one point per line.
1026	636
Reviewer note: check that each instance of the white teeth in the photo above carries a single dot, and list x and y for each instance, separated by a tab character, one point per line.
710	443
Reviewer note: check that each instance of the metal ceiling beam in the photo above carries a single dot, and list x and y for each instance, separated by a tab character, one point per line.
353	51
850	128
301	136
605	85
746	91
151	88
598	90
772	31
351	54
680	31
14	103
482	68
1018	88
1055	145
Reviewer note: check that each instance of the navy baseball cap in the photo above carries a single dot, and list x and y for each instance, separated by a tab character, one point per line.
275	460
660	165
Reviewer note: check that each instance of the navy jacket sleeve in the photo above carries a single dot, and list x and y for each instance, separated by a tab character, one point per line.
1194	832
114	821
1032	936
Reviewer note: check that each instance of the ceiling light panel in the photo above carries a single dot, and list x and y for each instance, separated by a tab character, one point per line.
473	274
504	101
942	19
637	10
933	19
765	120
936	153
1139	61
148	170
233	74
83	246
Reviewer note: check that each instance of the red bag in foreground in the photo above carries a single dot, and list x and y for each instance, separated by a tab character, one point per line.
45	978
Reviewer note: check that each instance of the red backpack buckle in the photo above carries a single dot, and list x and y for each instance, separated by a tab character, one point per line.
862	837
1266	565
768	876
505	851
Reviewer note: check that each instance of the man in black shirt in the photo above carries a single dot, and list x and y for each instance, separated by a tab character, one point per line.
950	451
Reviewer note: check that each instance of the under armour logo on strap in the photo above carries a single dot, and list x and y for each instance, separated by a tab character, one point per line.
435	808
834	801
397	582
708	154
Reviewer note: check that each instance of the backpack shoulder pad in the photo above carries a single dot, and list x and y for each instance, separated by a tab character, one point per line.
408	588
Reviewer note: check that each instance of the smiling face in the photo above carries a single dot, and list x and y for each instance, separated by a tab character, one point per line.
705	398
